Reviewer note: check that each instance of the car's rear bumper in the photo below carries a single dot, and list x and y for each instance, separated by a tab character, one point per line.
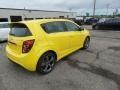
28	61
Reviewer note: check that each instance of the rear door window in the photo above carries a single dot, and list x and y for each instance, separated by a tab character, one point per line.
53	27
19	30
71	26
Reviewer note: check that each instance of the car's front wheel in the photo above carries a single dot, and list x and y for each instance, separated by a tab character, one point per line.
86	43
46	63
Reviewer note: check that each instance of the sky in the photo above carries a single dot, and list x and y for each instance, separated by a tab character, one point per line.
79	6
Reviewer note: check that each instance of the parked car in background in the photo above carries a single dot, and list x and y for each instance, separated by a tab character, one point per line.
90	21
38	44
4	31
113	23
79	22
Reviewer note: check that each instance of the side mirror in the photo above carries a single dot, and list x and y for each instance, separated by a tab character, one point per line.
81	28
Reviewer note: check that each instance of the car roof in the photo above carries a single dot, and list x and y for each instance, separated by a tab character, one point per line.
43	20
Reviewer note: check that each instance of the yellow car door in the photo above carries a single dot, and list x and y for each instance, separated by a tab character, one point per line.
75	34
57	36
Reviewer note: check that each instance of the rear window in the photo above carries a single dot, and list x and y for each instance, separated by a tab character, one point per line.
19	30
53	27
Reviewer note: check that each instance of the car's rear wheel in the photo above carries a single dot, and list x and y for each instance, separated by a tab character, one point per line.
46	63
86	43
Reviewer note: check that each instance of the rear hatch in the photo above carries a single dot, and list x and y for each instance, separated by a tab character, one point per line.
20	38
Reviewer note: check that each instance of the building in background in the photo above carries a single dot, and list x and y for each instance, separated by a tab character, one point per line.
14	15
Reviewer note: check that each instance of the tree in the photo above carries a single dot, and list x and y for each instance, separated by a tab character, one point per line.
87	14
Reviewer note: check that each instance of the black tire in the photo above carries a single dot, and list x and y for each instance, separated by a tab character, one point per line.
46	63
86	43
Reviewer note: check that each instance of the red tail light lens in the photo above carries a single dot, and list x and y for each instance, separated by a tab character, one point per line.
27	45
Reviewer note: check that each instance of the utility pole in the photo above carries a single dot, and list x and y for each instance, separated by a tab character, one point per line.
107	6
70	10
94	8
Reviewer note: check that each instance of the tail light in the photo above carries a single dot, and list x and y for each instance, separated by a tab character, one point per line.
27	45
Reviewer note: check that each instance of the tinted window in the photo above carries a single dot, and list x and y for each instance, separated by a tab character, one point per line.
71	26
19	30
116	20
4	25
3	19
53	27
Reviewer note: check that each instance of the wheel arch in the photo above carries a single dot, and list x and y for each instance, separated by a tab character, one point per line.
52	51
43	52
87	37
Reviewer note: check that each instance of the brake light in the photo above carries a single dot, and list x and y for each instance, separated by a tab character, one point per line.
27	45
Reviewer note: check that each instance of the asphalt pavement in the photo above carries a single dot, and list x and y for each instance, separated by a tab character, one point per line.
97	68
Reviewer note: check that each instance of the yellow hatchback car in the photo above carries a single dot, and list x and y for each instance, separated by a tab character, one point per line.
38	44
